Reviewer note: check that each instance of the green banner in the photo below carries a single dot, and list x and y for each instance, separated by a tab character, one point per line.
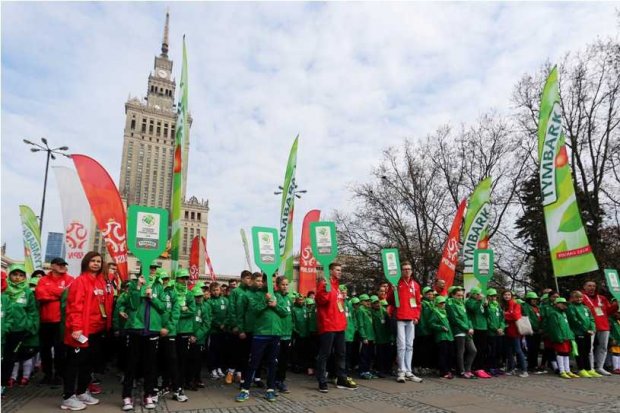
147	234
266	252
391	269
475	229
32	240
613	284
324	245
182	129
571	253
286	214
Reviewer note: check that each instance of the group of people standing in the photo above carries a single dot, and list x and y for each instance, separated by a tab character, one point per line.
163	330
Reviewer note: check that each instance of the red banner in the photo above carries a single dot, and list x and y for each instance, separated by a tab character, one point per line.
194	260
209	266
107	207
307	263
449	259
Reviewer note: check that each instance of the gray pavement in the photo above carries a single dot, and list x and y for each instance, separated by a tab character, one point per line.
544	393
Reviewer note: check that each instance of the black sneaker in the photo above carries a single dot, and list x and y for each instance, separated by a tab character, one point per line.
346	383
259	383
323	387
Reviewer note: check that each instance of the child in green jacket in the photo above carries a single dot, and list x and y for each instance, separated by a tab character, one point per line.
581	322
476	307
462	330
218	351
614	341
313	336
560	334
286	332
495	330
197	342
367	335
383	337
350	332
440	326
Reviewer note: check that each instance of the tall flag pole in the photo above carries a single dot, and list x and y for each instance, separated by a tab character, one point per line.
286	214
571	253
246	248
32	239
450	256
177	183
475	229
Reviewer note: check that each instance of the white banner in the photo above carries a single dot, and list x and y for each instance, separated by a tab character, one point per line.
76	217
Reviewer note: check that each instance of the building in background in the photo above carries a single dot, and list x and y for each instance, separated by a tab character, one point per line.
55	246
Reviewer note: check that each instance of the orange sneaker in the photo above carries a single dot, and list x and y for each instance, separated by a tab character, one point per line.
229	378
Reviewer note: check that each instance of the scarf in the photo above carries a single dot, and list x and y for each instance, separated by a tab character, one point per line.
16	290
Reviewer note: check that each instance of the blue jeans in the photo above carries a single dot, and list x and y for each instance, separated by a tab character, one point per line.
513	345
266	347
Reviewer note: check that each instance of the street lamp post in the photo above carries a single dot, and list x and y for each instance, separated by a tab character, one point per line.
50	153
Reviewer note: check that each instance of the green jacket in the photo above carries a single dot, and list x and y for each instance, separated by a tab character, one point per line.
268	319
423	328
614	332
235	307
300	321
495	319
349	332
364	322
7	316
459	322
476	312
138	307
438	323
532	313
118	322
24	312
558	329
202	322
172	314
381	325
311	320
219	312
286	322
185	326
580	319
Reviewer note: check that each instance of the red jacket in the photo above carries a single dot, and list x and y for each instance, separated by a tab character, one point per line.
601	309
410	298
512	314
87	295
48	292
330	308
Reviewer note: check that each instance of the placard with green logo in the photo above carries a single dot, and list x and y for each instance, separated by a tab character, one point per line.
613	283
391	269
266	252
147	233
484	267
324	246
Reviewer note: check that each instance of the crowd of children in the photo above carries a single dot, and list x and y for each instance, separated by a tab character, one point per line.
164	332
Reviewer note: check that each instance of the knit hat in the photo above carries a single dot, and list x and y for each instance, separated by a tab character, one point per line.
475	290
440	299
355	300
426	289
531	295
17	267
491	291
364	297
560	300
310	301
374	298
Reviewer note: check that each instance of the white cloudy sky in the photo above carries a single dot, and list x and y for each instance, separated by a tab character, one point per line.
350	78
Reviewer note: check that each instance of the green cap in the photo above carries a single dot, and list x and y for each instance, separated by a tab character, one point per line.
384	302
17	267
491	291
545	296
440	299
426	289
355	300
182	273
161	273
374	298
310	301
454	288
519	301
560	300
199	285
364	297
197	290
531	295
475	290
343	288
34	280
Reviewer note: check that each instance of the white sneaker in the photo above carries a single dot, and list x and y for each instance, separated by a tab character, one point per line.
87	398
524	374
179	396
603	372
72	403
214	375
412	377
148	403
220	373
400	378
127	404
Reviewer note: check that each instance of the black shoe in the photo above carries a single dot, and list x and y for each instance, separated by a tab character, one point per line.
323	387
259	384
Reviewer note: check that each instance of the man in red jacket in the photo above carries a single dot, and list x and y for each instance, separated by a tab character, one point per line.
48	292
407	316
331	323
601	310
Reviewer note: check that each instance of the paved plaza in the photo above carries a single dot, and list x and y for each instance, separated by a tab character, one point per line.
545	393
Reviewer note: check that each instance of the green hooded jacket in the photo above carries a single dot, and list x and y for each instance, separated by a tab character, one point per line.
300	321
7	316
185	298
528	310
438	324
235	314
558	329
476	312
459	322
495	318
311	313
219	312
423	328
268	321
25	312
381	325
580	319
202	322
614	331
172	314
138	307
118	322
286	322
364	322
349	332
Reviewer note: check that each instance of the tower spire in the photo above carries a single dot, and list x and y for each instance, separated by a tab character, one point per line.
164	43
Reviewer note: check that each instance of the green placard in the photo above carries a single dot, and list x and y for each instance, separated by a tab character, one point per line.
613	284
266	252
484	266
391	269
147	233
324	246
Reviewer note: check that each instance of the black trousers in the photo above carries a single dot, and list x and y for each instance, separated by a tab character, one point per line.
183	356
328	342
366	356
423	351
218	351
9	353
496	352
383	357
145	348
349	350
283	356
533	348
480	341
583	346
194	363
78	367
49	338
97	344
168	362
264	349
445	352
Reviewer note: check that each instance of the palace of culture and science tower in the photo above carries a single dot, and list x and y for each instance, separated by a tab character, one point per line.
148	156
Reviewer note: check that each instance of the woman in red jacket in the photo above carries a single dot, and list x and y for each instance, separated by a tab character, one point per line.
512	313
88	315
